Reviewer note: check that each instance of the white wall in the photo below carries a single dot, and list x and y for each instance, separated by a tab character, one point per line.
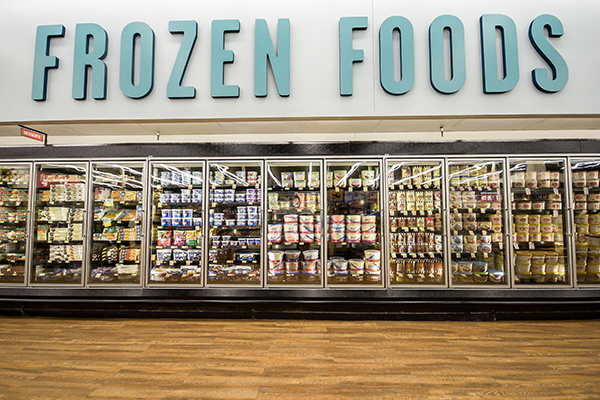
314	60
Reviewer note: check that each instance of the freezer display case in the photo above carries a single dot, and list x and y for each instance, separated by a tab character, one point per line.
586	204
294	223
60	204
416	231
354	235
234	218
117	223
177	223
539	224
14	203
477	229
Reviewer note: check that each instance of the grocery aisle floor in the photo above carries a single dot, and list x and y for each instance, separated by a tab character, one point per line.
45	358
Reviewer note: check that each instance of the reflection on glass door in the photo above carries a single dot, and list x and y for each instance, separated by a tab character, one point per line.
177	223
586	197
353	222
235	199
59	223
477	229
118	223
14	201
415	222
294	223
538	201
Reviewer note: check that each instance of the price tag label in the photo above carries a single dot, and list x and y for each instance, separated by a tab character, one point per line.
528	191
485	255
585	190
233	186
531	246
472	255
555	213
392	187
350	189
337	189
516	246
482	211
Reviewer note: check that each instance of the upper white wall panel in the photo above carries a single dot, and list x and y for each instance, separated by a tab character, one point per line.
314	66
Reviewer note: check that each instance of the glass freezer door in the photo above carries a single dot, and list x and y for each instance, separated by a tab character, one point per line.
586	198
118	223
415	222
14	202
235	200
60	202
353	223
477	241
294	223
538	204
177	199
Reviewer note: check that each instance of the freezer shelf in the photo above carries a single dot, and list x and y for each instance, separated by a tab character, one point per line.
177	198
538	204
59	223
586	198
353	223
235	199
477	241
294	223
415	223
14	201
118	223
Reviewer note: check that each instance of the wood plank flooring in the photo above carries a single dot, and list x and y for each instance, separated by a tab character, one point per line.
46	358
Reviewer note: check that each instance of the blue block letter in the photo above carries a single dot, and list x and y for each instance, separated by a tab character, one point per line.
146	76
83	59
220	56
559	70
386	55
280	60
43	60
437	61
348	55
492	83
190	33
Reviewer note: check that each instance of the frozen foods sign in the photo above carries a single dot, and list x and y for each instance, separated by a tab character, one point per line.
551	79
374	60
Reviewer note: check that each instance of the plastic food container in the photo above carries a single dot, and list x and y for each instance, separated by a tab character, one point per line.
373	255
311	255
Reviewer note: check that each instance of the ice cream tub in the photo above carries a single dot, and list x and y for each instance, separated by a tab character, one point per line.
372	255
340	267
547	237
484	225
290	219
470	239
369	237
311	255
372	267
538	269
523	269
594	219
275	255
352	228
307	237
369	219
480	266
292	267
354	237
356	266
465	267
593	268
524	205
470	248
534	228
337	219
276	267
369	228
522	237
535	219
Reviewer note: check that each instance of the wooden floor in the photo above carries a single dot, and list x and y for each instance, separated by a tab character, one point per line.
44	358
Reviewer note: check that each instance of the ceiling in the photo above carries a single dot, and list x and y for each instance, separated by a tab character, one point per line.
316	129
